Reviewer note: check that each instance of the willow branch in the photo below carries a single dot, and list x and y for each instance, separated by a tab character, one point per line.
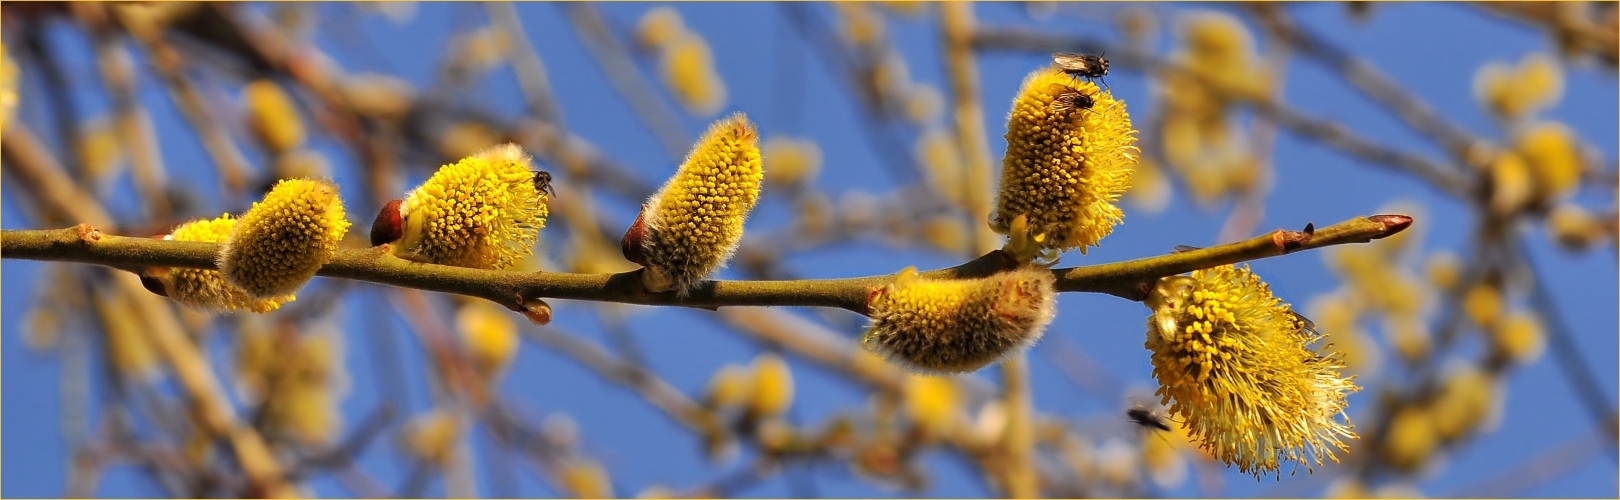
1128	279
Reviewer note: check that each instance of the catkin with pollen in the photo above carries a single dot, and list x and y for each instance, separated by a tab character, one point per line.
282	240
206	288
1065	169
956	326
482	212
691	227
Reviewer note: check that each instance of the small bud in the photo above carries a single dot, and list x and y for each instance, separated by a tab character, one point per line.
481	212
957	326
694	223
388	227
281	242
538	311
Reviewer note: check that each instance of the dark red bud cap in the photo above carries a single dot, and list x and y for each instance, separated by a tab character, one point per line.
630	246
388	227
154	285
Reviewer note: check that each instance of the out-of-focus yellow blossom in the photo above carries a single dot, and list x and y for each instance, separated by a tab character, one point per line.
1554	157
273	116
1483	303
933	404
282	240
924	104
659	27
1463	401
939	153
1512	92
8	86
946	232
790	161
101	152
1236	364
731	386
584	478
1115	462
695	221
1575	228
955	326
687	67
432	436
295	378
1161	454
772	387
775	436
816	214
1409	335
1138	24
1336	317
482	212
1443	269
480	50
1411	439
1065	169
1520	338
206	288
490	336
860	24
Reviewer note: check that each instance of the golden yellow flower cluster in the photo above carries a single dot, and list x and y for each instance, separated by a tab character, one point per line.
282	240
694	223
1515	91
685	61
1065	168
206	288
1237	365
957	326
482	212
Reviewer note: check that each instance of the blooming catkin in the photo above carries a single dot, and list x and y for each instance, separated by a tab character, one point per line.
1236	364
1065	168
956	326
694	223
205	288
482	212
283	239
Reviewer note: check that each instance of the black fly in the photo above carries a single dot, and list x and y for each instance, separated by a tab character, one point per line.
542	182
1071	100
1146	418
1082	65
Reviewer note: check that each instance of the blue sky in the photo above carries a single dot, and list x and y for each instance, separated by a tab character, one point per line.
1431	49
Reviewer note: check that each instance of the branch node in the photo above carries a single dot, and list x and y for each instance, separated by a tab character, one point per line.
88	233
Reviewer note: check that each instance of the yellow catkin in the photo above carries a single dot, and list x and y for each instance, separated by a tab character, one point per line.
273	116
1443	269
295	379
941	157
695	221
584	478
1520	338
731	386
1483	303
1410	440
956	326
206	288
127	347
1463	401
933	404
282	240
687	67
1065	169
1512	183
1576	228
1554	158
482	212
1237	365
659	27
8	86
490	336
432	436
924	104
772	386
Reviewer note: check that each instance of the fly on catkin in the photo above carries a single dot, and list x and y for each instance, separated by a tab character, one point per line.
1070	153
1238	366
484	212
282	240
959	325
690	228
